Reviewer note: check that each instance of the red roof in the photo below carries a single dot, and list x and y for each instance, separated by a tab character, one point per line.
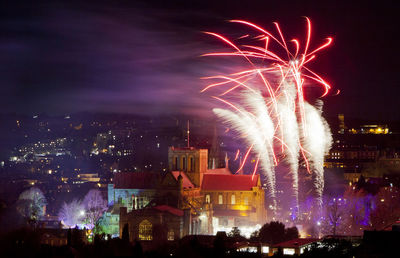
186	181
136	180
169	209
213	182
298	242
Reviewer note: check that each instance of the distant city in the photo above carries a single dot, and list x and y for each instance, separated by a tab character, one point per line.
173	164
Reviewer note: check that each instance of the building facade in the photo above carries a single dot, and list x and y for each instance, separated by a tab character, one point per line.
188	199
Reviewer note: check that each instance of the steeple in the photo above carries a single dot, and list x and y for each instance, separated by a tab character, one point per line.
188	134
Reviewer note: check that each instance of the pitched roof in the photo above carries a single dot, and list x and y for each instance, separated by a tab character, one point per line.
169	209
229	182
298	242
136	180
186	181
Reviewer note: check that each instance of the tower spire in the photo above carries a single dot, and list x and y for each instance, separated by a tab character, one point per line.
188	134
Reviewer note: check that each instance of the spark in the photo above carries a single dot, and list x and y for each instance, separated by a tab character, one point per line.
271	112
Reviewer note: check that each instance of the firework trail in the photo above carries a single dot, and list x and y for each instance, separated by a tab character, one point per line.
256	127
271	114
317	145
289	133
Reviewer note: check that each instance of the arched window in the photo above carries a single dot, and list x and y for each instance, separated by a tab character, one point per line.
189	164
208	198
145	230
233	199
192	164
220	199
184	163
176	163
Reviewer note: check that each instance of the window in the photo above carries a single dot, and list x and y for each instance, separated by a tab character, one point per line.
208	198
220	199
184	163
145	230
246	200
171	235
233	199
176	163
191	164
288	251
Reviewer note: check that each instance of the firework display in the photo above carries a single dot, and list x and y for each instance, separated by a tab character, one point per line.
266	104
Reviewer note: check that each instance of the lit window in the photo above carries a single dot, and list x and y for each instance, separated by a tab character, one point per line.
208	198
265	249
288	251
246	200
145	230
171	235
233	199
220	199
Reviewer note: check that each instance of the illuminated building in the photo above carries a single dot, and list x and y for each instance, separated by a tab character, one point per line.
342	126
201	200
84	178
114	143
150	224
133	190
371	129
295	246
224	200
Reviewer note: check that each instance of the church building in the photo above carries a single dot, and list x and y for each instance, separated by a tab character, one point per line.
189	199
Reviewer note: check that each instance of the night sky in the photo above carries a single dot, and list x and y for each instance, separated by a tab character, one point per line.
144	56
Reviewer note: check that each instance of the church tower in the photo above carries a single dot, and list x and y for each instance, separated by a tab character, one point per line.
190	160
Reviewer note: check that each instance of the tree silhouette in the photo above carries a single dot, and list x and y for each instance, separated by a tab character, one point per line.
272	233
72	213
275	232
31	204
291	233
235	232
125	233
387	208
95	206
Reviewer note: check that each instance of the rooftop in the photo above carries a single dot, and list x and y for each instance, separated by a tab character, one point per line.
231	182
169	209
219	171
186	181
298	242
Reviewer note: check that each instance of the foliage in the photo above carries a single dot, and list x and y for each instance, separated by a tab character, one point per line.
235	232
103	226
275	232
254	235
31	204
72	214
387	208
95	206
360	210
291	233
